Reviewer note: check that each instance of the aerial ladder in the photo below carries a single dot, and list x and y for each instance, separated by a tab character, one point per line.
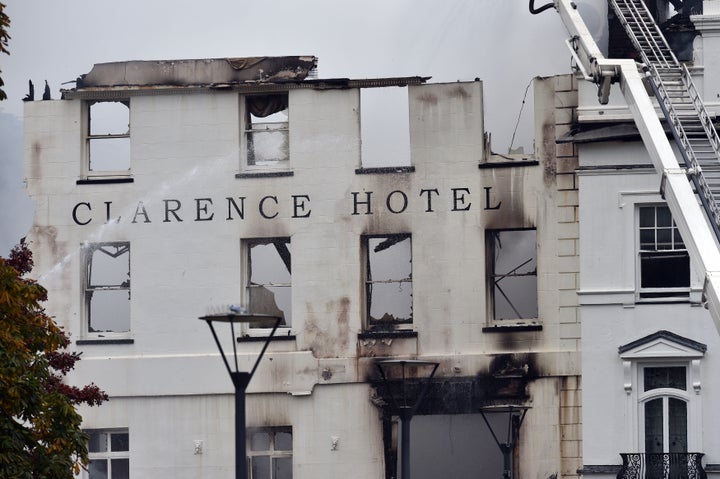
692	191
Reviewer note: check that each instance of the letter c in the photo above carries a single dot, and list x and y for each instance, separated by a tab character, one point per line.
74	214
262	209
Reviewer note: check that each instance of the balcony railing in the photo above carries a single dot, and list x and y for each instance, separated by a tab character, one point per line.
673	465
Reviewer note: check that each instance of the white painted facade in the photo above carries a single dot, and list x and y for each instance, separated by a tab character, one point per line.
168	388
625	331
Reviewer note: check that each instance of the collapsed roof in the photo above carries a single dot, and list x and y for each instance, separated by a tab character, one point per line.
203	72
251	75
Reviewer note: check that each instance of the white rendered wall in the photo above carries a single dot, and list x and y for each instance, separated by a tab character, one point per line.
169	382
612	317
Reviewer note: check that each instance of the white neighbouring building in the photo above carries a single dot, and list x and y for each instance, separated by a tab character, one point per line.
649	347
164	188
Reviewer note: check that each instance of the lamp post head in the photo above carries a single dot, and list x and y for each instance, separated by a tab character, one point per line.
515	417
232	317
243	317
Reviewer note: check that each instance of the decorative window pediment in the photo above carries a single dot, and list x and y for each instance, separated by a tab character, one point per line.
662	344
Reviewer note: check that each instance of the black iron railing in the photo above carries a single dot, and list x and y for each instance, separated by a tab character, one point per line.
673	465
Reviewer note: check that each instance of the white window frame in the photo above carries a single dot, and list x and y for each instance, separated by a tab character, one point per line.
245	271
88	289
107	455
272	452
666	293
246	131
662	352
88	137
628	293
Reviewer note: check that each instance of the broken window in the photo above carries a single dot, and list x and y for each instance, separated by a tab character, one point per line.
384	127
107	289
388	281
270	452
664	260
512	278
269	278
109	453
108	137
267	130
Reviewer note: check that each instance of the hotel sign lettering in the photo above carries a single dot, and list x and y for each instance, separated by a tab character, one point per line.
172	210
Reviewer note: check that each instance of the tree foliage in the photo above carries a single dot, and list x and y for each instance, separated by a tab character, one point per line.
40	434
4	39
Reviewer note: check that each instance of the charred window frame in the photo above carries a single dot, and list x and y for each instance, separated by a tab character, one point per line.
109	454
107	288
512	275
268	277
107	138
388	281
663	260
270	452
266	131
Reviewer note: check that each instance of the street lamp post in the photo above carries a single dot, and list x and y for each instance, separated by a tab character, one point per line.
241	379
516	416
404	405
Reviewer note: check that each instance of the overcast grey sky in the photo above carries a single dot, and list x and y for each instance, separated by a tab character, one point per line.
498	41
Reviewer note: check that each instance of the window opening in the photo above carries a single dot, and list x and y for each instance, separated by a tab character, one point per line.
270	453
109	136
109	453
664	260
384	127
107	290
269	278
513	274
267	130
388	283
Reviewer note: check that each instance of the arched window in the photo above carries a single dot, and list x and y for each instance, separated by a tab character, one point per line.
663	402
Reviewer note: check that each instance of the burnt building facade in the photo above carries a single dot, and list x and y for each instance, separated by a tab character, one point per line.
168	190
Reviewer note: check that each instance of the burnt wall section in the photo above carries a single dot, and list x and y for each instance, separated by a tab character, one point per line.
505	381
556	104
556	101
